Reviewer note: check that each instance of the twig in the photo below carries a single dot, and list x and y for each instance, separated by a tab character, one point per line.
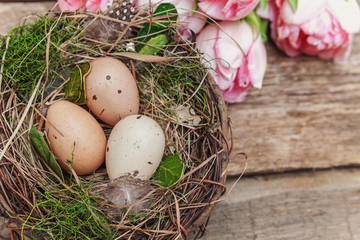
123	33
201	165
143	57
3	60
242	173
21	119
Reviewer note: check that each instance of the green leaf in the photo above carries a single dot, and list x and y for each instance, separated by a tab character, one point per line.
263	29
170	171
75	87
155	44
166	11
163	12
146	33
294	4
85	70
263	4
42	149
259	24
253	19
195	7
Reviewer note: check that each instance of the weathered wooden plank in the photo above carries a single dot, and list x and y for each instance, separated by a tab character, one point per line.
302	206
11	13
307	115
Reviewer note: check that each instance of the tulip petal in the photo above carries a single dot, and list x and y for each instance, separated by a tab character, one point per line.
236	94
71	5
206	40
343	53
348	13
306	10
212	8
257	61
238	34
227	9
236	9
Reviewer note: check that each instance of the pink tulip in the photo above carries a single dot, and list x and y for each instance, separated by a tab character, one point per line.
97	5
318	27
187	18
71	5
227	9
236	57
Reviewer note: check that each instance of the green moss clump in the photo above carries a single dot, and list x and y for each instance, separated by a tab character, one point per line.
26	55
70	215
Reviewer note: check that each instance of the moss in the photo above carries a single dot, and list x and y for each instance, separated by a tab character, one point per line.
73	213
33	52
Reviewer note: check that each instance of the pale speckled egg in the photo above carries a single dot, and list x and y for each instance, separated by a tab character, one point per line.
135	148
75	135
111	90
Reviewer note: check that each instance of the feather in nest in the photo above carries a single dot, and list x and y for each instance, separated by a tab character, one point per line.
126	190
108	30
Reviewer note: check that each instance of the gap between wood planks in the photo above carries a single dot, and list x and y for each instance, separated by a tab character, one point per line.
300	205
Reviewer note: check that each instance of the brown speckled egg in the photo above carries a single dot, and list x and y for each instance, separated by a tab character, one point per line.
74	135
111	90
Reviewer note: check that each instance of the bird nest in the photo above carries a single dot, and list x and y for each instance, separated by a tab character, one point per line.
175	90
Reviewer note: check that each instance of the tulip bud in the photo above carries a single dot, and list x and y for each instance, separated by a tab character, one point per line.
323	27
235	57
227	9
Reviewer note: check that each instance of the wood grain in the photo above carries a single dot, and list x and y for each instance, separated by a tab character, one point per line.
13	13
307	115
317	206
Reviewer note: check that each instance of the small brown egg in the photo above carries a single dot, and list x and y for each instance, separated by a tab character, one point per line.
111	90
74	135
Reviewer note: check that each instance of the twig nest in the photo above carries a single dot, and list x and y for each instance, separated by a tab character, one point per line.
176	93
135	146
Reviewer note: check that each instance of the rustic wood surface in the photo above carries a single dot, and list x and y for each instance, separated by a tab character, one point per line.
306	116
316	205
12	14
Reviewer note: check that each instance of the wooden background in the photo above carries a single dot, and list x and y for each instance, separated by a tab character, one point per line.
306	116
301	132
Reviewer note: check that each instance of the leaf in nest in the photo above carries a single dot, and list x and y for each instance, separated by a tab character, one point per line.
75	88
85	70
170	171
37	140
154	45
166	13
146	33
